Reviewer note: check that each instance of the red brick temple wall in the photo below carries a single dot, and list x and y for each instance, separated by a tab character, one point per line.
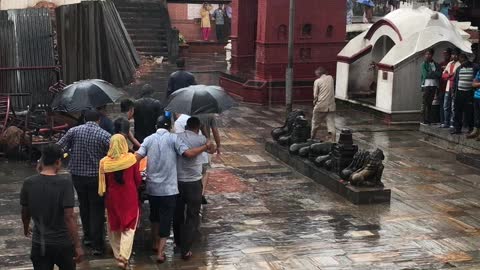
244	30
260	47
319	36
190	29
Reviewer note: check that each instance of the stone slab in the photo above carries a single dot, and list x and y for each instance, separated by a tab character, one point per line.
441	137
356	195
469	159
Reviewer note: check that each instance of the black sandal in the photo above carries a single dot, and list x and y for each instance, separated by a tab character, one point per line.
187	256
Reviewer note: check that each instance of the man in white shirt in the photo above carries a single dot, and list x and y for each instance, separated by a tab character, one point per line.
181	122
324	104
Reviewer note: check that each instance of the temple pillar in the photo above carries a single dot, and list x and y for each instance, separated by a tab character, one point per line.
260	37
320	30
244	30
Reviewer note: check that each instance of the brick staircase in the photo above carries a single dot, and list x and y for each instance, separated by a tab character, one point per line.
148	24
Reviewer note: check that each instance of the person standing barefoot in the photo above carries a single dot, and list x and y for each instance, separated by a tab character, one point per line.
205	24
119	180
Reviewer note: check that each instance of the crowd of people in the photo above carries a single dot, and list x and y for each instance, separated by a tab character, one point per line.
368	8
453	85
222	16
449	8
113	170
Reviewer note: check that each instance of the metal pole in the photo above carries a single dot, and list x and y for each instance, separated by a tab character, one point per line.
291	54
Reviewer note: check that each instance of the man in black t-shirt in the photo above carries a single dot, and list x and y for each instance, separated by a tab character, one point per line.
105	122
180	78
48	199
145	112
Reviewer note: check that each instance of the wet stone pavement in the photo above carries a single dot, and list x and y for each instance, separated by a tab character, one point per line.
263	215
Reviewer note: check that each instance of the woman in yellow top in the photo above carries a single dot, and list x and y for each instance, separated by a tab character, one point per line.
205	23
119	180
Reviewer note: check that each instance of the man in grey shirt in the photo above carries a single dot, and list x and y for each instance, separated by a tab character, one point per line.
189	172
162	149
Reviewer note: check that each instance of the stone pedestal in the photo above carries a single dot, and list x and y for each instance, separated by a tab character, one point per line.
343	151
356	195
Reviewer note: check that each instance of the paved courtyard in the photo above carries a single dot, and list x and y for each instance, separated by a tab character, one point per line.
263	215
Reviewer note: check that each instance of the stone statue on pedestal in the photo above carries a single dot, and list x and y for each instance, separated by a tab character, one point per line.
358	162
321	160
288	126
300	132
295	148
370	175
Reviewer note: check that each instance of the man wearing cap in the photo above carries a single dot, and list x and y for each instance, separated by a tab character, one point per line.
162	149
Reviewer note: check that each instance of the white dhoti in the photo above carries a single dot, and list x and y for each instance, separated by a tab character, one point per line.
324	106
324	118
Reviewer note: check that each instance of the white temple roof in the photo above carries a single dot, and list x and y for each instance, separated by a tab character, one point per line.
412	30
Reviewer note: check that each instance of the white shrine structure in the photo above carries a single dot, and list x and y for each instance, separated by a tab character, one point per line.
381	67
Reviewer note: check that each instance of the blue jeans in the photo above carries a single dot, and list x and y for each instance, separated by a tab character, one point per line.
441	100
447	109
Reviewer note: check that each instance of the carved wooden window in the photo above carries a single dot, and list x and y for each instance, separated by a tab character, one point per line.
282	32
329	31
307	30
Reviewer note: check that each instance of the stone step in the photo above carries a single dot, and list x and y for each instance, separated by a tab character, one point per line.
140	8
140	20
148	31
143	26
148	36
469	159
143	13
164	54
150	43
152	49
146	23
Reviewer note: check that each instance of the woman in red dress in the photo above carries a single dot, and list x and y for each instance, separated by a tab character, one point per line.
119	179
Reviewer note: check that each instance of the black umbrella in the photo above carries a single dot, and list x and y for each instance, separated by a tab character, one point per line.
86	95
199	99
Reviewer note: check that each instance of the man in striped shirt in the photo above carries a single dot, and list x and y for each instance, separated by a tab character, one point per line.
463	95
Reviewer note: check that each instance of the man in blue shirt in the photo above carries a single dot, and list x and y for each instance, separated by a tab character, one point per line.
476	106
162	149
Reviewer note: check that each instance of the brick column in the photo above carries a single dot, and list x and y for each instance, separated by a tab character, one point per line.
244	31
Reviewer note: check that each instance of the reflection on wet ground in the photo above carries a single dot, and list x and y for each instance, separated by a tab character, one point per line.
263	215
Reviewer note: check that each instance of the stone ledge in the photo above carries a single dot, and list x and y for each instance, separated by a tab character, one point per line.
356	195
455	142
469	159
